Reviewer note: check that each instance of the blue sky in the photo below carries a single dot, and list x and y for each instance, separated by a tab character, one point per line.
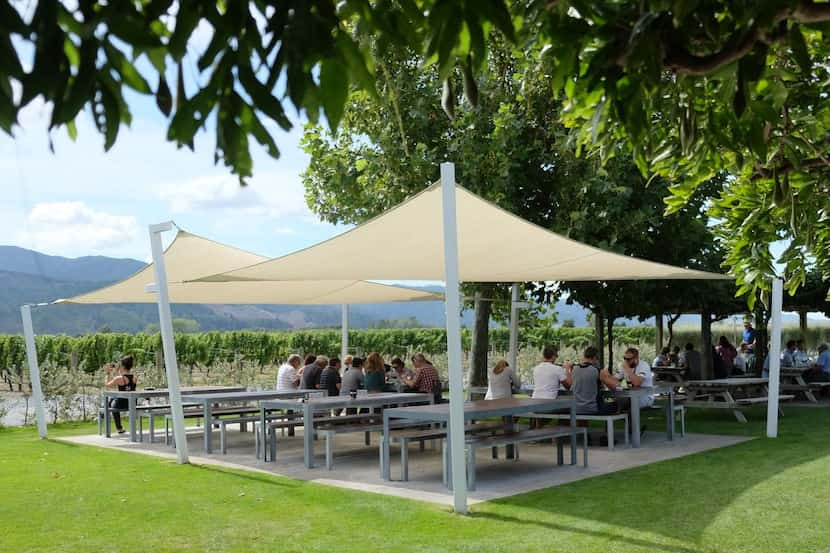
82	201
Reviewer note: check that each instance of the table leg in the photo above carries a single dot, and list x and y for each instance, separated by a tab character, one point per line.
131	409
807	393
208	412
384	459
107	424
509	449
670	416
308	436
635	421
573	434
263	435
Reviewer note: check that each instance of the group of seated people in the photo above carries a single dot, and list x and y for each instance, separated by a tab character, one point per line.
794	356
355	373
586	380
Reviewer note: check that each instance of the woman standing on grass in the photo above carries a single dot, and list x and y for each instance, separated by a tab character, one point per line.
374	373
126	382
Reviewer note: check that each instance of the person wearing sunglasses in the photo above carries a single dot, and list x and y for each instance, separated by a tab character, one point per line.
637	373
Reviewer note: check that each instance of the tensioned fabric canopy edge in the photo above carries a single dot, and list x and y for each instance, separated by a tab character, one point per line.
190	256
406	243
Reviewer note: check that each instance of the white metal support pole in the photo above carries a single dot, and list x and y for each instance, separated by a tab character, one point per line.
774	358
344	333
34	369
167	341
458	469
514	327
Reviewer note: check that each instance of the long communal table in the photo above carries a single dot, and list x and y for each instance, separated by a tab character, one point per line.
207	401
133	398
326	404
473	410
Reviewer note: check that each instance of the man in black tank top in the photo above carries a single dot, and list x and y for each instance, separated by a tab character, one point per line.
126	382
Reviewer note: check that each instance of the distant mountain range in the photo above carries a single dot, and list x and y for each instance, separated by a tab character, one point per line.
27	276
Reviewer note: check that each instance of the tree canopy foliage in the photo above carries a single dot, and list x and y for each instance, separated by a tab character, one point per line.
512	149
688	88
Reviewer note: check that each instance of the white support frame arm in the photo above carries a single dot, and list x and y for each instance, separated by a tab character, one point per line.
774	354
34	369
168	342
458	468
344	333
514	328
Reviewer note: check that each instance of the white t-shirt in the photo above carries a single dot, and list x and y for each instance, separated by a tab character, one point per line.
547	380
286	377
499	386
642	370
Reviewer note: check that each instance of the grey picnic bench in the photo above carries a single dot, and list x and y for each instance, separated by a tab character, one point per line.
554	433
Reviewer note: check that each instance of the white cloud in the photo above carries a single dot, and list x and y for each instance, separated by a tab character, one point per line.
285	231
267	194
67	227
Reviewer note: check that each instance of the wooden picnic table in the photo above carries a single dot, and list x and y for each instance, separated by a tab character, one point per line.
670	374
473	410
792	379
208	400
728	393
326	404
149	393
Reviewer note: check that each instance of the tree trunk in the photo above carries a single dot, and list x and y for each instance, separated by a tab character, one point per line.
609	322
658	335
480	342
599	328
706	368
802	323
761	322
670	324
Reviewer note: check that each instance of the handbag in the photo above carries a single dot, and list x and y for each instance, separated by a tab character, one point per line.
607	403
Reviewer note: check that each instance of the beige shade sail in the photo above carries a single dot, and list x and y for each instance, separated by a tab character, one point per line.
190	256
406	243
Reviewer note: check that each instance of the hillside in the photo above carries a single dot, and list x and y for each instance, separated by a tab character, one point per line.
28	276
95	269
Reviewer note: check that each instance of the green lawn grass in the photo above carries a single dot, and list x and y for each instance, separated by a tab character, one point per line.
762	495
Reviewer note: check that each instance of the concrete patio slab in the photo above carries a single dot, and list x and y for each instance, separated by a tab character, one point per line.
356	466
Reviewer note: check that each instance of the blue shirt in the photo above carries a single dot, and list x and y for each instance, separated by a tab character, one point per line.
749	338
823	361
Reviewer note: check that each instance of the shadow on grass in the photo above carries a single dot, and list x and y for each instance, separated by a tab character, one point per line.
273	480
679	498
610	536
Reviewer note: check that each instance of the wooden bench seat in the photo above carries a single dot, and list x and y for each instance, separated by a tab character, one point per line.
757	400
555	433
